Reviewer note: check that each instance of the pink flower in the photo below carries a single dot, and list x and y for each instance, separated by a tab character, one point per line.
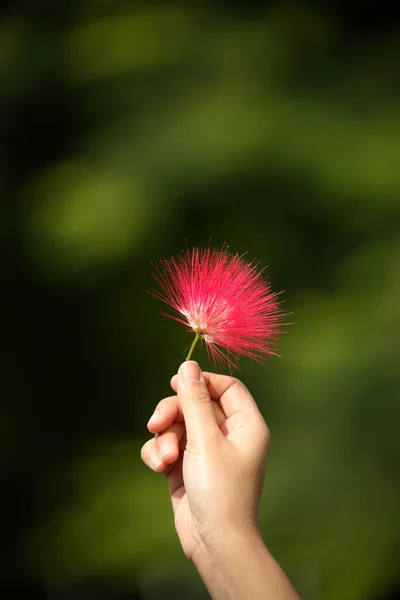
225	300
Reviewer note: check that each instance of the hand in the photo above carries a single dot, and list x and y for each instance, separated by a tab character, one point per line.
211	443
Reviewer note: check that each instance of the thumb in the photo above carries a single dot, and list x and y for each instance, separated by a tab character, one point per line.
196	403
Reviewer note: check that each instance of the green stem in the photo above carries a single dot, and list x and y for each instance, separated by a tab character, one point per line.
193	346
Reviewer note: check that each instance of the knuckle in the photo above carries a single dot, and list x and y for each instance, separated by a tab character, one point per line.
145	451
267	435
198	396
159	406
238	386
263	433
234	382
166	402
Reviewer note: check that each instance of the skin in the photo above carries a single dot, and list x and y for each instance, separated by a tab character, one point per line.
211	443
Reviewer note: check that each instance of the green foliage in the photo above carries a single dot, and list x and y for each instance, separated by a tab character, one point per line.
254	132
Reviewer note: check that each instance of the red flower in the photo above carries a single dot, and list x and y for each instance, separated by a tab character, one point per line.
225	300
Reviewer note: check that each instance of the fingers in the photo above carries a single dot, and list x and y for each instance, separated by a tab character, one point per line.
164	449
196	404
167	443
169	411
217	384
151	457
231	393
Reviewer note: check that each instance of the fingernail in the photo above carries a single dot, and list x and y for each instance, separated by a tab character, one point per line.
155	461
164	450
190	371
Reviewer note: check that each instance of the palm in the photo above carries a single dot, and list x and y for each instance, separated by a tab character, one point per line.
186	499
184	521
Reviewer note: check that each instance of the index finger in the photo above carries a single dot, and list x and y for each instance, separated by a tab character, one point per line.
169	410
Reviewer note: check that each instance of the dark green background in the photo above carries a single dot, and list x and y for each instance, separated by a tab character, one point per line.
129	129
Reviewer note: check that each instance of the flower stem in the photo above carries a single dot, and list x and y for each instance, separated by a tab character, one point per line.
193	346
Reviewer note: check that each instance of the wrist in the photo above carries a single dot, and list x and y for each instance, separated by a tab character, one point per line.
224	541
235	565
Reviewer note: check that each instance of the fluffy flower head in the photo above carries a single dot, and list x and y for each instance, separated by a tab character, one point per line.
224	299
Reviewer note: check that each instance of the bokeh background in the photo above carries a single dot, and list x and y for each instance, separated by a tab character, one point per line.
128	129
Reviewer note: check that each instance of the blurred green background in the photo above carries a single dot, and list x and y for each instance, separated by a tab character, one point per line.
127	129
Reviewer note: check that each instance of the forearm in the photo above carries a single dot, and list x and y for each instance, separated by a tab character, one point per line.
238	566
